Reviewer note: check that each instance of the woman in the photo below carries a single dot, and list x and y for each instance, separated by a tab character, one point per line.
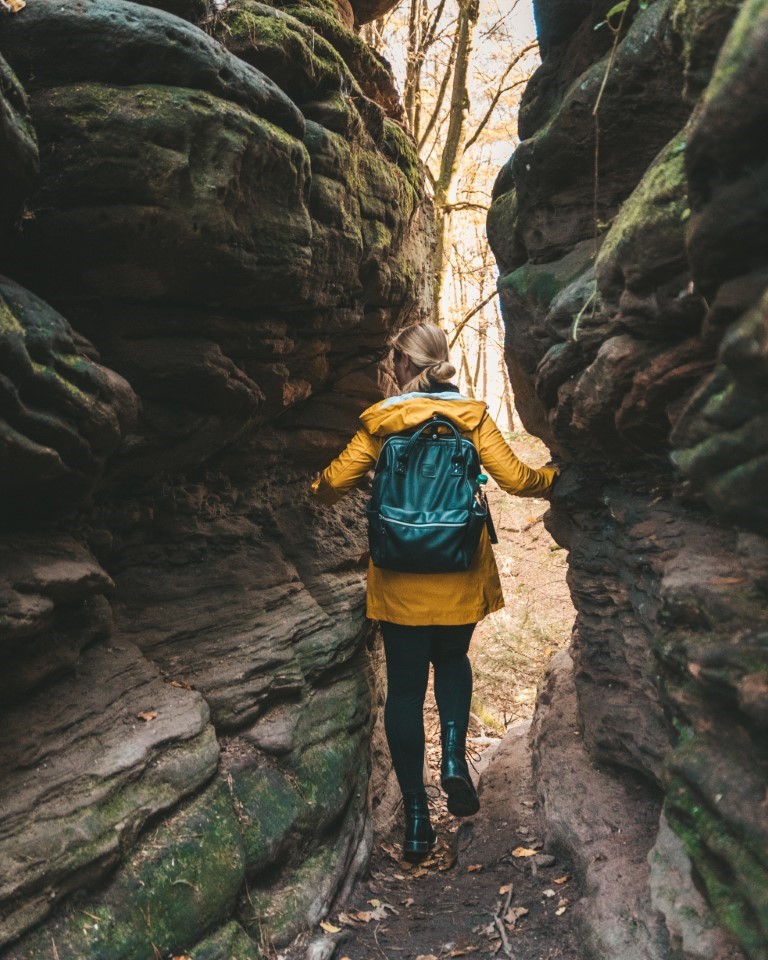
429	617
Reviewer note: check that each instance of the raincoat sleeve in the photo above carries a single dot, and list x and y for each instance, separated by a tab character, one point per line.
511	474
348	469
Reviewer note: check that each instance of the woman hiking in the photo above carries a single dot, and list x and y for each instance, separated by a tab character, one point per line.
429	617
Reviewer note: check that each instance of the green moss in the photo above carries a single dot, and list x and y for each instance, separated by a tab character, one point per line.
700	25
307	7
367	69
735	878
282	46
269	807
9	322
229	943
736	53
183	879
540	283
646	242
400	147
326	774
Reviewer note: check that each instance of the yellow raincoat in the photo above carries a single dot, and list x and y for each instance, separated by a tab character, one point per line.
424	599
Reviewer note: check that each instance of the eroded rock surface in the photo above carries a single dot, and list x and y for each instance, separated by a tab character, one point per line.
633	246
226	222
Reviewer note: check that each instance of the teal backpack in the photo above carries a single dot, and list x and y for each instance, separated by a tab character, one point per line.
427	509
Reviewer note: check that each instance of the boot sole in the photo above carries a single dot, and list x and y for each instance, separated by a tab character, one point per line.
462	799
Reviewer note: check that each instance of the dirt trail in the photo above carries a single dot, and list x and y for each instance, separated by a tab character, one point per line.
481	893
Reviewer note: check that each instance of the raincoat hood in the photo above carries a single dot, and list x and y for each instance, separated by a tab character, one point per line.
408	410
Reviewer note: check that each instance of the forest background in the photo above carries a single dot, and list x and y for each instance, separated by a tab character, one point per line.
461	67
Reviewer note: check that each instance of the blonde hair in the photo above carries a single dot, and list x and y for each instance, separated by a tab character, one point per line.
426	346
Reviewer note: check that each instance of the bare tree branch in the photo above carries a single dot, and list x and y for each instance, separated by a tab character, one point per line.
500	92
441	92
465	320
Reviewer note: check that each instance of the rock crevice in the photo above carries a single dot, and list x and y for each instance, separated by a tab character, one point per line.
634	290
211	224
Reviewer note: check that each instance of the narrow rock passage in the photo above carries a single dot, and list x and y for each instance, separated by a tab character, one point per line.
482	893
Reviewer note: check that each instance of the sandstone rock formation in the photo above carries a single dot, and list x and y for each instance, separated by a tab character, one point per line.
630	229
211	220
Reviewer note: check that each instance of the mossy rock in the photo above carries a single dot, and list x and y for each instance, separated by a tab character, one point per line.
371	72
269	807
539	283
182	880
290	52
192	10
229	943
285	905
330	761
645	246
19	161
510	253
732	870
209	197
400	147
702	26
63	415
308	7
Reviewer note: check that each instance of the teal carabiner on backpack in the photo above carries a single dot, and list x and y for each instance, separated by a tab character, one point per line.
426	511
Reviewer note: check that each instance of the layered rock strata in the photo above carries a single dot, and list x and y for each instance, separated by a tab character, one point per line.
212	220
631	232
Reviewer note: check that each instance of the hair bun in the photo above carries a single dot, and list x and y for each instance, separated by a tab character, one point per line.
442	371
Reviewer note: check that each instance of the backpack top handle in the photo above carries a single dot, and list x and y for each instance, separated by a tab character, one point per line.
433	424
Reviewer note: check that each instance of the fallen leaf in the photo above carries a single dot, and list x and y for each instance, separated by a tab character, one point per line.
524	852
329	927
564	879
563	902
375	903
474	868
365	915
147	715
514	914
560	911
346	920
505	889
549	893
409	902
420	873
426	956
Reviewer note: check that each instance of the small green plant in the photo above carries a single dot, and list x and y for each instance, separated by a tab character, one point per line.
619	10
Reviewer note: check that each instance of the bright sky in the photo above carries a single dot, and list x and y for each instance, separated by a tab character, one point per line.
522	17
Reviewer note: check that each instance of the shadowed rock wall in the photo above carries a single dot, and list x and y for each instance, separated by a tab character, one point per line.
210	223
631	231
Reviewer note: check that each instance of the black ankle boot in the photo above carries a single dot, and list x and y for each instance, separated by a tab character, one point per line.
454	773
419	836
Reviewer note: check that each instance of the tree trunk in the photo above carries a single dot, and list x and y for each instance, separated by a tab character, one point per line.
445	182
506	386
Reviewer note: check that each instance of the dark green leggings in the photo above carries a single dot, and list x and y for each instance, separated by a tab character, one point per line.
409	651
